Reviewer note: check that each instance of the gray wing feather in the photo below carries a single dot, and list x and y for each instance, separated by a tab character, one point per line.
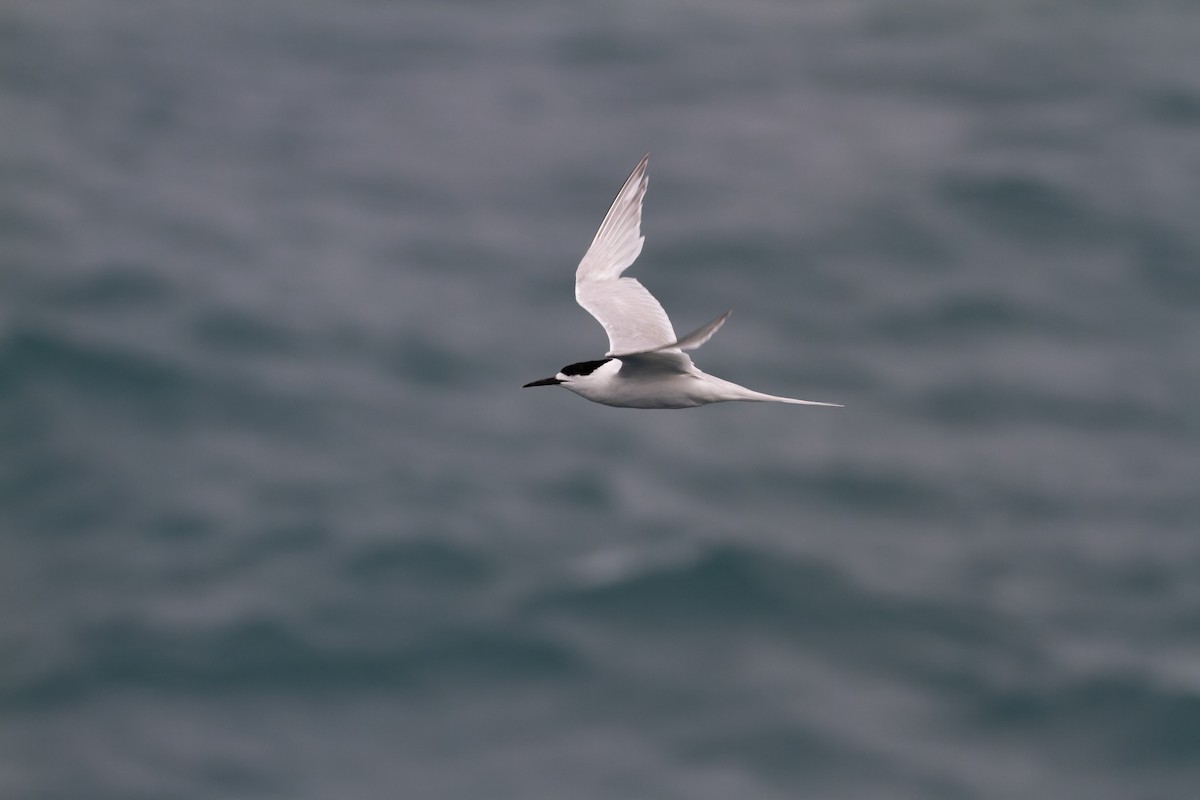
633	319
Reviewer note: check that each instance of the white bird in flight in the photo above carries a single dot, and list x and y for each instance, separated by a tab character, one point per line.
645	366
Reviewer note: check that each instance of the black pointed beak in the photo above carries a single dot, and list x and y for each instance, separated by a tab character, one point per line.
543	382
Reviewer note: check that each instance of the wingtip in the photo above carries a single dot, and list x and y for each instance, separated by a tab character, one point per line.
641	167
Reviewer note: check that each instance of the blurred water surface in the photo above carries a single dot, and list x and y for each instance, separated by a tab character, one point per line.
276	521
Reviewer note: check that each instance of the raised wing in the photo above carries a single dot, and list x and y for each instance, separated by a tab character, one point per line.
619	239
632	318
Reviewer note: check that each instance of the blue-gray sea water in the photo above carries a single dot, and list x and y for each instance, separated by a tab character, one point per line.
277	521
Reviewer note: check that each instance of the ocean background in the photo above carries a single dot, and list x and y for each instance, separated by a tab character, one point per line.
278	521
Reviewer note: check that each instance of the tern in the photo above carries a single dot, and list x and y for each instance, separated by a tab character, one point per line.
646	365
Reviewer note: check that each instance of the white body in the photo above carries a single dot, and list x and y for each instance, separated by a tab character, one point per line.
645	366
630	384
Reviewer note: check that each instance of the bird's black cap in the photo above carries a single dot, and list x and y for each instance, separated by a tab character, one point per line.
584	367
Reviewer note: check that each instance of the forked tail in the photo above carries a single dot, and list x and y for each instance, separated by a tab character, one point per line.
770	398
731	391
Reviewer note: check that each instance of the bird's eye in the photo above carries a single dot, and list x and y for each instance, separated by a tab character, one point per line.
584	367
